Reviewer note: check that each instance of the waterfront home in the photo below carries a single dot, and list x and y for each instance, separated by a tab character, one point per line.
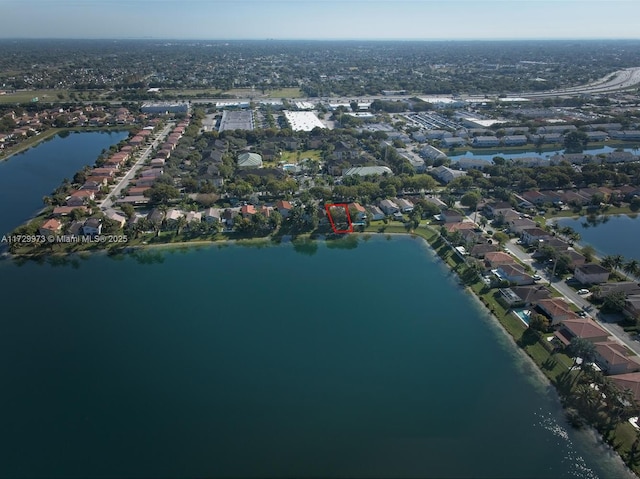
495	259
629	288
630	381
513	273
212	215
532	236
389	207
173	215
284	208
480	250
100	180
614	358
66	210
461	226
485	141
514	140
576	258
556	310
193	217
157	163
404	205
585	328
591	273
50	227
524	295
91	185
92	227
376	213
114	216
451	216
358	212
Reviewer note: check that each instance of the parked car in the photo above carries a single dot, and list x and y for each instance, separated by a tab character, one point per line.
583	291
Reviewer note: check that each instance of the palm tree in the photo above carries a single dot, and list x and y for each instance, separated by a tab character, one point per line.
632	267
618	261
608	262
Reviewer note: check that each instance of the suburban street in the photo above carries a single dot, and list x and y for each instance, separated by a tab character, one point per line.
108	201
571	296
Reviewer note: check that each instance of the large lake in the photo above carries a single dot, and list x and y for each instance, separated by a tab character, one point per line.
27	177
609	235
361	361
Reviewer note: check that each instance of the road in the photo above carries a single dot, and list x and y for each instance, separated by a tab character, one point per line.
109	200
570	295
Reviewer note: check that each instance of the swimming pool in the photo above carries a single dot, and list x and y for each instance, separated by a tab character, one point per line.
523	314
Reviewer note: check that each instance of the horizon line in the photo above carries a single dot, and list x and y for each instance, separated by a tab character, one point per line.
506	39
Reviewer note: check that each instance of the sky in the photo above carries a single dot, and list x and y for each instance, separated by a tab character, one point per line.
321	19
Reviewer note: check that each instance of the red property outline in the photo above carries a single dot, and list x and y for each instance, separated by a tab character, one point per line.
328	206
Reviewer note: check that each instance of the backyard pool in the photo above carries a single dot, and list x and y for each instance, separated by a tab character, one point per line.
523	314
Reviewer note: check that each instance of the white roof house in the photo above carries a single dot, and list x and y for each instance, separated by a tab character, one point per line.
368	170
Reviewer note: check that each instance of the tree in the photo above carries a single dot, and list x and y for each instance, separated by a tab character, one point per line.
128	210
539	322
588	252
161	193
632	267
470	199
575	141
614	302
581	348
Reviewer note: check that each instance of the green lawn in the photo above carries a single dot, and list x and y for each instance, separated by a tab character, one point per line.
295	156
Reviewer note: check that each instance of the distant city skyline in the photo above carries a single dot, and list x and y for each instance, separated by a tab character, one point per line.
322	19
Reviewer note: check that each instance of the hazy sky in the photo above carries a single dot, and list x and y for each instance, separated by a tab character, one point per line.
320	19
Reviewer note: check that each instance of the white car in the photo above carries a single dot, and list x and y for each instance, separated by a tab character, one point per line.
583	291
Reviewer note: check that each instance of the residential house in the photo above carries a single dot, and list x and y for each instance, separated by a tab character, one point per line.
462	226
629	288
556	309
518	224
485	141
632	307
284	208
591	273
358	212
173	215
50	227
513	273
376	213
66	210
531	236
248	210
446	175
451	216
480	250
514	140
212	215
500	208
92	227
629	381
389	207
193	217
614	358
404	205
585	328
495	259
119	219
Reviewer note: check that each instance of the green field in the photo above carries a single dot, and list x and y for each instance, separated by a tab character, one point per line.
42	95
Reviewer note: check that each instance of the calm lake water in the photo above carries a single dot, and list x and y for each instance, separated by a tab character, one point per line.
609	235
490	154
27	177
289	361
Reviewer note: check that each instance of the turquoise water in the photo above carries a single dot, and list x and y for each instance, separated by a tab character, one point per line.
348	359
523	314
26	177
609	235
